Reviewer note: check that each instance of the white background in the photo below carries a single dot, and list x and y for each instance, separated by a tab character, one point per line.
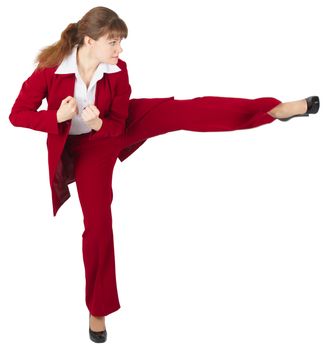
220	238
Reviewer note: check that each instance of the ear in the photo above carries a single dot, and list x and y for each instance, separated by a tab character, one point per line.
88	41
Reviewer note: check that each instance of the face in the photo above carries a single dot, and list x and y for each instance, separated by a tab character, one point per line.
107	50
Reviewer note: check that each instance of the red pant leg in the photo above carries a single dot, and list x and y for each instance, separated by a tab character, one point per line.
93	166
149	117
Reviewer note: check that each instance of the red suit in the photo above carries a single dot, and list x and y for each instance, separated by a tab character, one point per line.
127	124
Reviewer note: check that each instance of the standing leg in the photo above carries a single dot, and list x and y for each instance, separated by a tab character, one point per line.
202	114
93	163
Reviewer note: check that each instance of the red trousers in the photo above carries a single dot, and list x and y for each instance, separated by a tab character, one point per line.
94	161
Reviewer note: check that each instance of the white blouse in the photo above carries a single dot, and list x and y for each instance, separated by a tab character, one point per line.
83	95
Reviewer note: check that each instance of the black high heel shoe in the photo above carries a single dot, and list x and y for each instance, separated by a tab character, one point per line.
313	104
97	337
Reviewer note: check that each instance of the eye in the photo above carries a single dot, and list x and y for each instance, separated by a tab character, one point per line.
115	41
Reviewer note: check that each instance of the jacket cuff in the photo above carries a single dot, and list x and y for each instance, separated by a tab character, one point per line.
109	128
53	125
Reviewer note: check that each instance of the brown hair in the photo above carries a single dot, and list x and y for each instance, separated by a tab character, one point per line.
95	23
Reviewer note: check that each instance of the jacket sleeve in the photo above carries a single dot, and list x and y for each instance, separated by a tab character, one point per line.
24	111
114	124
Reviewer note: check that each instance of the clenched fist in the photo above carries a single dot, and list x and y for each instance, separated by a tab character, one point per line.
90	115
67	109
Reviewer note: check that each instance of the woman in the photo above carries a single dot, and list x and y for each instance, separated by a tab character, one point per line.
91	122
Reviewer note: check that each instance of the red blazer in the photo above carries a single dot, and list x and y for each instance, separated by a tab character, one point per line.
112	99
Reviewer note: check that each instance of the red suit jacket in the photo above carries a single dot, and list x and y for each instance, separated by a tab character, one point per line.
112	99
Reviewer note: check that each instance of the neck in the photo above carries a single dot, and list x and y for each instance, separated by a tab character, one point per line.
85	62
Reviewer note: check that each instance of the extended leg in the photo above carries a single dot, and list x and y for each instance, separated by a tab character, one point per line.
151	117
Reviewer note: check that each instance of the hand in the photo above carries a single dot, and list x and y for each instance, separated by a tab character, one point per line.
90	115
67	110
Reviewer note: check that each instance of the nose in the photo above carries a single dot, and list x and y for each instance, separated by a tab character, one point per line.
119	50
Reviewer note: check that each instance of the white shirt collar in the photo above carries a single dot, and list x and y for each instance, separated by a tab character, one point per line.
69	65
